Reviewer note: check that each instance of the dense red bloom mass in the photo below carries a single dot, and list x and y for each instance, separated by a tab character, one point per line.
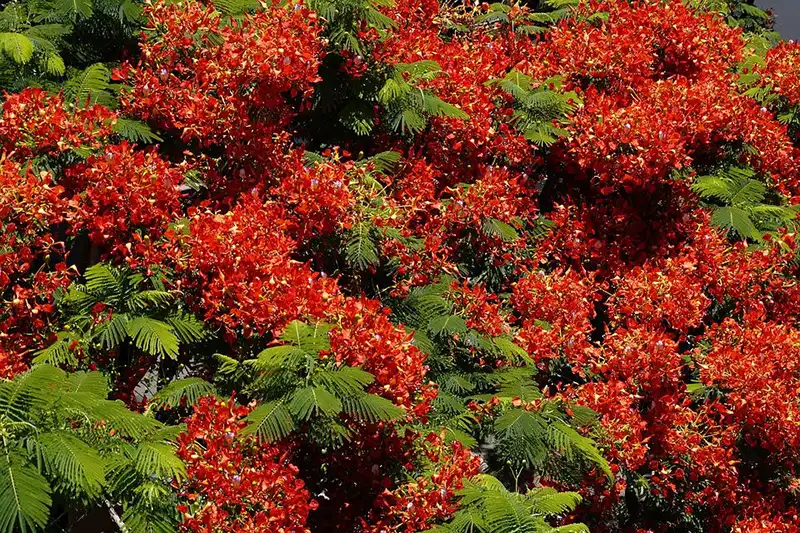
235	485
242	264
609	189
412	506
368	339
236	81
29	206
36	124
779	71
122	191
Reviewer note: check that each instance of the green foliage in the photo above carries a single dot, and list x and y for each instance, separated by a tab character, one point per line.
529	438
90	86
464	364
57	446
26	501
743	205
361	246
345	19
739	13
500	230
486	506
135	131
409	107
50	42
118	308
236	8
531	22
187	390
297	387
538	107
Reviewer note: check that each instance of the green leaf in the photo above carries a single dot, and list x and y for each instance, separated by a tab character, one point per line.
187	327
372	408
385	161
519	422
308	401
102	281
521	436
142	518
420	68
54	64
310	339
506	510
71	460
58	353
17	46
712	187
131	11
236	7
158	459
24	495
568	440
447	325
424	343
454	434
135	131
360	248
344	381
737	219
751	191
93	383
500	230
75	7
752	11
128	423
90	85
784	213
111	333
437	107
524	391
393	89
30	392
733	187
149	299
455	383
279	357
583	416
153	336
511	351
188	389
696	388
409	121
228	366
269	422
358	117
550	502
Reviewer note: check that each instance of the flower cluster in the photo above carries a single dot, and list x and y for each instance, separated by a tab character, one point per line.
237	82
122	191
234	484
37	124
427	499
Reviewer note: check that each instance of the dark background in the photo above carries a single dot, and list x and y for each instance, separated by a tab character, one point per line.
787	16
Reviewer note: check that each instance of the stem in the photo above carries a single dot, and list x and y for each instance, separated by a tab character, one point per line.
116	518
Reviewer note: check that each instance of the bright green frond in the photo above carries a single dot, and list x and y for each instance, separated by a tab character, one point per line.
153	336
73	462
188	389
270	421
24	495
